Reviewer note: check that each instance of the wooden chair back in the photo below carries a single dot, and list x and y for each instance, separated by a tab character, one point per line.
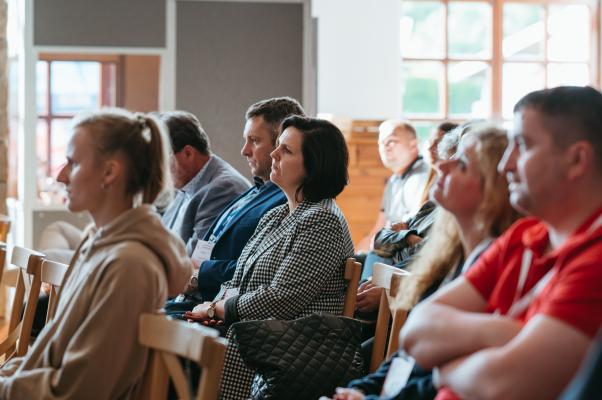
353	271
2	257
4	227
25	278
3	289
2	260
169	339
53	274
389	278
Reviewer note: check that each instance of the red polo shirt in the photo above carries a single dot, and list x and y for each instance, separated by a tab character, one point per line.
574	292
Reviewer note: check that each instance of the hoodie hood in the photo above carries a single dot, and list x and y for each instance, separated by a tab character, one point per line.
142	224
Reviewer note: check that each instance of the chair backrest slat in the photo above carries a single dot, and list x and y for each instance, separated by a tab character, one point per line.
26	277
18	298
53	273
170	338
177	375
2	262
214	358
26	259
162	334
353	271
387	277
381	274
4	227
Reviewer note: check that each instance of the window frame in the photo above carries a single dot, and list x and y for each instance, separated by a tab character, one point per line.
48	116
497	60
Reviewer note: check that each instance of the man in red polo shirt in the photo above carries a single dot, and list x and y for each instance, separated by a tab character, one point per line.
521	320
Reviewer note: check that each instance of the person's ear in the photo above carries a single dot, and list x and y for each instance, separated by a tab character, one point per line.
187	151
413	143
579	158
113	169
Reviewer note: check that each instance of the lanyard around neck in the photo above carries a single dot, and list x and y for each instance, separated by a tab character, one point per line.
520	304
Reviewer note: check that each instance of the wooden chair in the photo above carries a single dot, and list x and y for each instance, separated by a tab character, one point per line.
353	271
3	289
4	227
53	273
169	339
2	260
25	278
387	277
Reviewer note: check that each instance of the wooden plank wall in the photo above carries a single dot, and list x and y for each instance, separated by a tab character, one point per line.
360	201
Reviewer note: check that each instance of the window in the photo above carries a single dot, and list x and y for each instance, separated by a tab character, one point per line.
476	59
12	31
66	87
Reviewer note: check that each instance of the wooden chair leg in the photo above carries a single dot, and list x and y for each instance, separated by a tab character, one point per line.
211	375
155	382
29	315
399	318
380	333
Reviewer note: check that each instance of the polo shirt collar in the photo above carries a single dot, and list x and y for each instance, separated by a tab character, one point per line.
409	169
536	238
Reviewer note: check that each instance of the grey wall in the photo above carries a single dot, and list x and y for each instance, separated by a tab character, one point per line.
118	23
231	54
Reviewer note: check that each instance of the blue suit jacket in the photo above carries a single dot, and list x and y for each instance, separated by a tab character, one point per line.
220	268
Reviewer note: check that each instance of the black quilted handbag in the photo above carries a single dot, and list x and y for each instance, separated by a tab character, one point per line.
300	359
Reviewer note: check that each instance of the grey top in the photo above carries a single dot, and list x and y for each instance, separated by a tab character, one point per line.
401	199
200	201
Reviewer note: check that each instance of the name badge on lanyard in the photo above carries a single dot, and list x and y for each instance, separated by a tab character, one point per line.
397	377
520	304
202	252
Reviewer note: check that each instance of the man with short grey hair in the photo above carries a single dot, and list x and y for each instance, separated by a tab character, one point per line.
206	184
398	148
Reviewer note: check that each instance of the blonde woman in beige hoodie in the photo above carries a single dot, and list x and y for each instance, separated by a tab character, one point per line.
117	164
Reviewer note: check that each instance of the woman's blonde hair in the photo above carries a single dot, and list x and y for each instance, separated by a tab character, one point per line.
142	140
443	249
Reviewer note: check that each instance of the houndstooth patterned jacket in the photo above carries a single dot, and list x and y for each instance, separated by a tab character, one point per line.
291	267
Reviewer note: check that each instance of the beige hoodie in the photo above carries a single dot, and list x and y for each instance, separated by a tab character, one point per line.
90	350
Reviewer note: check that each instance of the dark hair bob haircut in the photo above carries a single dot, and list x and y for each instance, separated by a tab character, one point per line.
325	158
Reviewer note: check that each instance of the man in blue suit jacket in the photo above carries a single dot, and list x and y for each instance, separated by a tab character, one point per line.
220	267
230	232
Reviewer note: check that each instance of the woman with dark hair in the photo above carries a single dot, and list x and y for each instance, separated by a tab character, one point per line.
293	264
126	265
